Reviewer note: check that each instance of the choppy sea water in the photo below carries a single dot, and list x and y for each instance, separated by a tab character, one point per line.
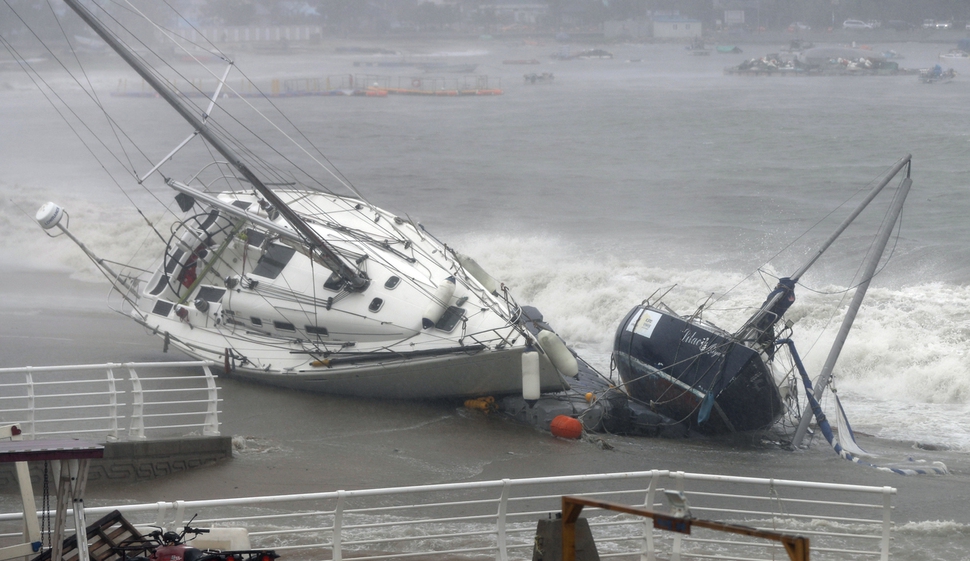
587	195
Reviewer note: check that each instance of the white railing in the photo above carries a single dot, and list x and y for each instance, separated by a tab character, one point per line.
497	519
93	400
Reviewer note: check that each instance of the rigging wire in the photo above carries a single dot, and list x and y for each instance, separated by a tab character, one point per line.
37	79
92	91
818	222
329	168
365	238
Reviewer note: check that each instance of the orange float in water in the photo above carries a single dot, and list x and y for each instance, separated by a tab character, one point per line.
566	427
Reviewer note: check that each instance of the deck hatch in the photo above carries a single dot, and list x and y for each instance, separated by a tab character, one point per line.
162	308
272	262
211	293
450	318
255	238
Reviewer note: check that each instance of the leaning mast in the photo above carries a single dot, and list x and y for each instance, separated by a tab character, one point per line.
328	256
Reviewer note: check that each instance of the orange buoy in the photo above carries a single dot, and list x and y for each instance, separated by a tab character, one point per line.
566	427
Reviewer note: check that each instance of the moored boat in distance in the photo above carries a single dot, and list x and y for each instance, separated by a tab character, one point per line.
539	78
937	75
716	381
955	54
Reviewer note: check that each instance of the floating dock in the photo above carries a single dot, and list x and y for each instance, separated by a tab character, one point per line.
340	85
469	85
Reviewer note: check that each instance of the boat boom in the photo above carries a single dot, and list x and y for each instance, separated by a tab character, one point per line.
356	280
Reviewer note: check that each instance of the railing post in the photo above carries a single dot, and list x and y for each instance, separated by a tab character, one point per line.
503	504
678	537
136	430
161	512
338	522
29	379
887	510
648	549
179	516
211	427
112	405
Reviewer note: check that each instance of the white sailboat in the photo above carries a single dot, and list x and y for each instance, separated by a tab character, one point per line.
289	284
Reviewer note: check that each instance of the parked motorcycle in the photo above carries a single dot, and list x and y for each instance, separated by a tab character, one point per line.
171	546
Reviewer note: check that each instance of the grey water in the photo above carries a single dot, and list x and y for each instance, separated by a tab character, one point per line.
585	195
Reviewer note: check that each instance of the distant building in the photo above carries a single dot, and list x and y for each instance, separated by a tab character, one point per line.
517	11
626	28
676	27
279	34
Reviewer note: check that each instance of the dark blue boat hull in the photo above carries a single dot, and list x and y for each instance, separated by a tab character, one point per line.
695	373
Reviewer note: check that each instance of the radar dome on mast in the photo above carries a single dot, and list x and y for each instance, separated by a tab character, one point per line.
49	215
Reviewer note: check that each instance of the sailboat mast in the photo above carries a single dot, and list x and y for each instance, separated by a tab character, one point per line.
903	162
324	251
870	268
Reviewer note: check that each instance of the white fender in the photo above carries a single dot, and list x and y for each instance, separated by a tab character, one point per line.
559	355
439	303
472	266
530	375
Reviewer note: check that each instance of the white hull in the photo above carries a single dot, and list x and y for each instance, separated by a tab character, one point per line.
282	326
298	286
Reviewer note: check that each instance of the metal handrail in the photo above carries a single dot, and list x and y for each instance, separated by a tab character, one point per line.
46	398
500	516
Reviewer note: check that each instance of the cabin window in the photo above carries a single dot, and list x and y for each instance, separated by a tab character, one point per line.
211	293
376	304
241	204
283	326
450	318
314	330
256	321
392	283
271	264
162	308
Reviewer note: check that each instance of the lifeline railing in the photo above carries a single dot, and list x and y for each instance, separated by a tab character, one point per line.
498	518
93	400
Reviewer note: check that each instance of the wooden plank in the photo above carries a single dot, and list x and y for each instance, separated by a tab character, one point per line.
104	538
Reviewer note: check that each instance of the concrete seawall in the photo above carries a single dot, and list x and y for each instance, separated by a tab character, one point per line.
126	462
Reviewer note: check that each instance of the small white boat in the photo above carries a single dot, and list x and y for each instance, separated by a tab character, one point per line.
954	54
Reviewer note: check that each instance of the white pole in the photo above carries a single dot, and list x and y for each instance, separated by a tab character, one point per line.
881	239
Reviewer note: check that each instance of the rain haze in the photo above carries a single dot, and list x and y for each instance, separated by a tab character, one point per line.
588	155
